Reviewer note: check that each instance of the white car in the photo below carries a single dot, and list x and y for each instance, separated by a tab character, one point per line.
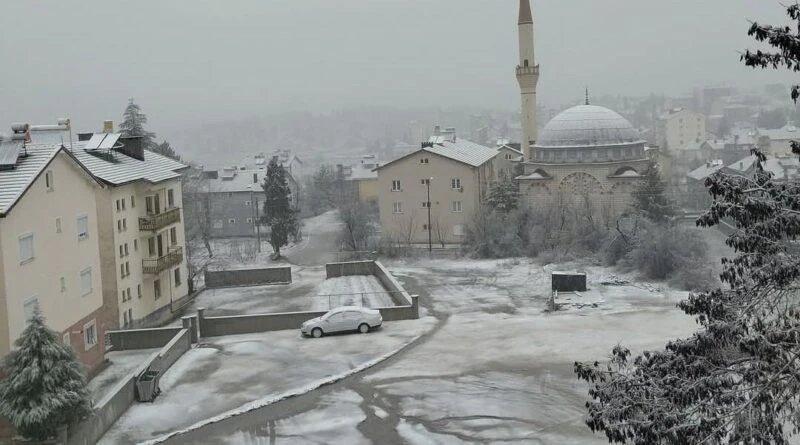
342	319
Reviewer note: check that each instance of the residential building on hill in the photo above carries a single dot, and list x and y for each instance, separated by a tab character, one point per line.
50	239
456	172
777	142
679	127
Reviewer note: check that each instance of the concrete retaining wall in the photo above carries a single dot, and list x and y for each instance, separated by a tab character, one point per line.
108	410
333	270
248	324
396	291
142	338
248	277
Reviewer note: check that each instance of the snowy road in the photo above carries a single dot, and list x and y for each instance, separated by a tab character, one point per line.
496	369
320	242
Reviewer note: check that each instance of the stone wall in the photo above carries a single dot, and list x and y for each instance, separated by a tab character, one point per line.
142	338
248	277
108	410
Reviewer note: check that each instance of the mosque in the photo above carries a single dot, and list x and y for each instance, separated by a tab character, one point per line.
586	155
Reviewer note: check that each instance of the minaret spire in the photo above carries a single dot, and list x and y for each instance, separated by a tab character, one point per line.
587	94
528	77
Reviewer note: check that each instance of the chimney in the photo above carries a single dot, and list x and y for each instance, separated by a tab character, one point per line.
255	178
108	126
132	146
437	130
84	136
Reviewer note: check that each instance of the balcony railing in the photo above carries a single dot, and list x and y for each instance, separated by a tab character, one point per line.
173	257
161	220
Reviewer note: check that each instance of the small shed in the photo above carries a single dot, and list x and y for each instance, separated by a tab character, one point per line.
568	281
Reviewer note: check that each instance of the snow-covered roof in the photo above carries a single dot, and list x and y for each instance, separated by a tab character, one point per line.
788	132
743	165
119	168
461	150
706	170
232	180
507	147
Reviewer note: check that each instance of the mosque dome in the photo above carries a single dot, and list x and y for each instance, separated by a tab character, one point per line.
587	125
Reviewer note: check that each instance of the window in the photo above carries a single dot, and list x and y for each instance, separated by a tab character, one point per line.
121	252
63	284
125	318
148	205
26	248
48	180
123	204
231	221
177	277
151	245
130	315
135	245
128	290
509	156
126	249
124	224
424	161
58	225
157	289
29	306
66	340
138	291
397	207
90	335
133	202
455	183
122	271
173	235
247	203
170	198
249	220
119	225
218	223
425	181
124	297
456	206
425	227
119	207
396	185
426	204
86	281
83	227
127	268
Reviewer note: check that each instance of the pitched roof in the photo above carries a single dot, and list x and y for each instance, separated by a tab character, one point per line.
232	181
119	169
14	183
706	170
525	15
461	150
788	132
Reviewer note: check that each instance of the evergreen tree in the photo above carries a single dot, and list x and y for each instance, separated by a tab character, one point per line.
504	196
278	212
133	121
735	380
650	198
165	149
45	388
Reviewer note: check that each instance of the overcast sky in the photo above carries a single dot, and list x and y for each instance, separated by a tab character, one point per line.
195	61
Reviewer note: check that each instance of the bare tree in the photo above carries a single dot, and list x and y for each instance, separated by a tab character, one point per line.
358	226
440	230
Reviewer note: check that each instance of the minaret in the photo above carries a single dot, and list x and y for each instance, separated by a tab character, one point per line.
528	77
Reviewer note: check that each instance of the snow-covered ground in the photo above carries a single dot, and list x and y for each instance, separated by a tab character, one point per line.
228	372
123	363
355	290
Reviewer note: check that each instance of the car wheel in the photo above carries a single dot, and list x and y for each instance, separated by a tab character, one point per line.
363	328
316	332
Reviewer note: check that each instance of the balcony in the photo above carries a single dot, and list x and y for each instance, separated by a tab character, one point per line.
155	266
156	222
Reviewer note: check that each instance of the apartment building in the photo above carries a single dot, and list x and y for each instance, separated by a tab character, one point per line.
139	213
457	173
679	127
50	245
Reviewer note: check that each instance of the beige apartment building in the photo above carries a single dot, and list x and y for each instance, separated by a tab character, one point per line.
49	246
456	172
139	212
680	127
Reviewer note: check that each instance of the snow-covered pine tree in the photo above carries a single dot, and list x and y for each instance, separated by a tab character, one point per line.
504	195
278	212
45	387
650	198
133	121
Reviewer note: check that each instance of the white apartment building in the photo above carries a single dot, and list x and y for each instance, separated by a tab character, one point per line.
49	246
141	223
680	127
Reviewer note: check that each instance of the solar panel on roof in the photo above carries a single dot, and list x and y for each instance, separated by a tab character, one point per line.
109	141
8	155
95	141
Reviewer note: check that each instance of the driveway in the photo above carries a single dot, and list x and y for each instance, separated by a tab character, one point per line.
320	244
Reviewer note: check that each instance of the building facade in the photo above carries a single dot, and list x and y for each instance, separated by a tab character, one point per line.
680	127
457	174
49	249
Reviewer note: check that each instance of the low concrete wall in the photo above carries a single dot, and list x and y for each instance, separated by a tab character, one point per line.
108	410
248	277
248	324
410	312
142	338
396	290
333	270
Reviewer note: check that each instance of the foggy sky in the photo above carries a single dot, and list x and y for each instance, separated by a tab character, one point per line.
193	61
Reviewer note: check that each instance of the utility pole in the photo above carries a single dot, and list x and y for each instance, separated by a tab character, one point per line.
256	227
430	236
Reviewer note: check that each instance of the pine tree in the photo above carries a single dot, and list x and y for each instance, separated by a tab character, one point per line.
504	196
278	212
650	198
45	388
165	149
133	121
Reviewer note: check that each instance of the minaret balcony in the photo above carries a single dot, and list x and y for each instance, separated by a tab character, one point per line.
527	70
